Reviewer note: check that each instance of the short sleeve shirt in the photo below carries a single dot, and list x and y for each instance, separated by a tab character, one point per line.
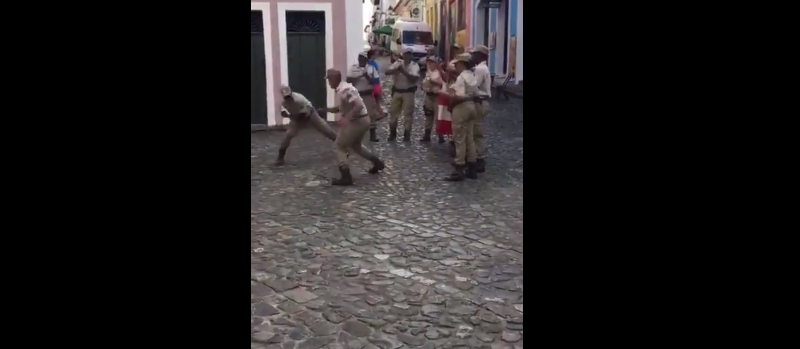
400	80
348	98
361	83
431	75
466	85
300	106
484	80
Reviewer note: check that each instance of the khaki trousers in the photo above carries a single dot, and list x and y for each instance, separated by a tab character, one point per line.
402	103
464	117
479	135
373	108
314	121
430	108
349	140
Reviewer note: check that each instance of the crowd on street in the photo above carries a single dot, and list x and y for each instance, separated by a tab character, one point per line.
455	106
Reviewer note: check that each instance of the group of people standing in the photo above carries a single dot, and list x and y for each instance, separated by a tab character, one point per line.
456	96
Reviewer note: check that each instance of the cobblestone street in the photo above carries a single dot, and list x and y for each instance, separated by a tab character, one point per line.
399	259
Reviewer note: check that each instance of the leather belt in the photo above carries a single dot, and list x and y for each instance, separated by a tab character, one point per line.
453	105
404	90
366	93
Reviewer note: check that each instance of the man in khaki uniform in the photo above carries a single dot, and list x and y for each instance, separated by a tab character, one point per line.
406	74
431	84
484	79
362	75
462	94
353	125
455	50
301	114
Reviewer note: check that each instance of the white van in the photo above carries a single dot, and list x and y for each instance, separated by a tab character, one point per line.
414	34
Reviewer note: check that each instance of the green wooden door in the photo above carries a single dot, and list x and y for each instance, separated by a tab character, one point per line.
258	82
305	45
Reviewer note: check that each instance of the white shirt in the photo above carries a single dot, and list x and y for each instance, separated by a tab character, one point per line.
431	75
465	85
348	98
400	80
361	83
484	79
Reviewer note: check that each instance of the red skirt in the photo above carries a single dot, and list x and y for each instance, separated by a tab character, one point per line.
444	123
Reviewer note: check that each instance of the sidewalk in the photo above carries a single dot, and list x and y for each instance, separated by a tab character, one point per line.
514	90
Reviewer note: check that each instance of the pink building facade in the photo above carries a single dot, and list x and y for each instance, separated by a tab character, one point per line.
343	40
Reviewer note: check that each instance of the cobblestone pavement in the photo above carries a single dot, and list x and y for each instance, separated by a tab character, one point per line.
400	259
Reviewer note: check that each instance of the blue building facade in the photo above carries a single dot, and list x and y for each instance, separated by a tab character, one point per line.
498	25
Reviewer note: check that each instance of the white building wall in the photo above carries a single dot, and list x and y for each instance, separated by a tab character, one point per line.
520	41
354	29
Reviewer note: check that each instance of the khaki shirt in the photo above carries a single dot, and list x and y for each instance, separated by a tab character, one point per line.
348	98
361	83
300	106
465	85
430	76
400	80
484	80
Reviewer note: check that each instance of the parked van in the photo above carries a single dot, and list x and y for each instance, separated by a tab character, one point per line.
414	34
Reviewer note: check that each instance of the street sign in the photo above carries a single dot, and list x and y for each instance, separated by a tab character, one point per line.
492	3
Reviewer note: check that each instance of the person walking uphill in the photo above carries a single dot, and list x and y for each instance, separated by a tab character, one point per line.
301	114
484	80
406	74
362	76
354	124
462	105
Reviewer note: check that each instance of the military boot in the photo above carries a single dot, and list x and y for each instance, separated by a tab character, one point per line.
427	137
480	166
346	179
281	155
373	135
457	175
471	173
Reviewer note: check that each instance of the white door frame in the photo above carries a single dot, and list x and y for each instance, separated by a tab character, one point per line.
271	106
282	41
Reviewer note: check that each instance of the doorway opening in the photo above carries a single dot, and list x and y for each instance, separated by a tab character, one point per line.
305	46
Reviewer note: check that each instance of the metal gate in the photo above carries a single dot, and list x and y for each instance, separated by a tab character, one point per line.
305	45
258	82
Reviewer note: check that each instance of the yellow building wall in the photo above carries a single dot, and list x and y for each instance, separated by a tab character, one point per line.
432	14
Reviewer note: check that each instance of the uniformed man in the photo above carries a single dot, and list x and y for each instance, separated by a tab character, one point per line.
455	50
362	76
353	125
462	95
301	114
484	79
431	84
406	74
